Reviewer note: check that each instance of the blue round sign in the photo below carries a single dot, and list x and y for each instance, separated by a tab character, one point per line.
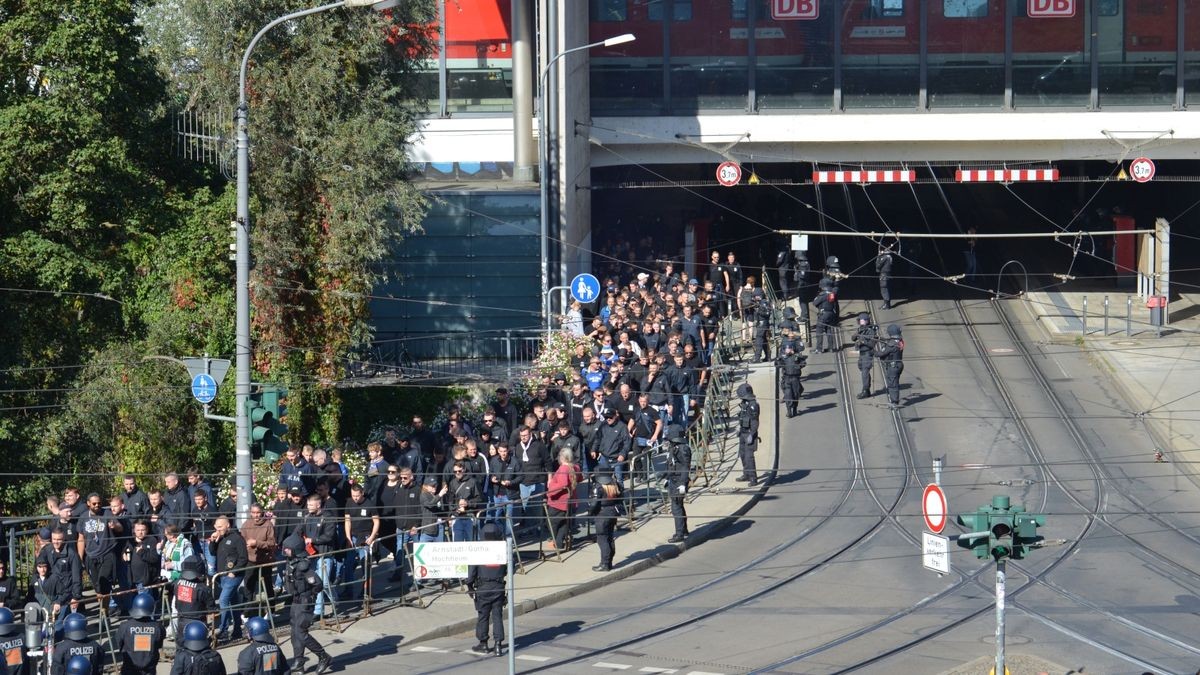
585	288
204	388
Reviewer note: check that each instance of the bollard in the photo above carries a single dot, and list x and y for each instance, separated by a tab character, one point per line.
1128	317
1085	332
1106	316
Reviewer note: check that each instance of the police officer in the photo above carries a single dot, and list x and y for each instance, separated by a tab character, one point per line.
76	643
486	584
303	583
12	645
78	665
891	352
262	656
827	314
783	263
883	265
196	654
866	336
762	326
139	640
193	597
791	366
679	473
800	275
748	434
605	497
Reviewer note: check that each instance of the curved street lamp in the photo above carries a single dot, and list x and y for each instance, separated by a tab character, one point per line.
244	466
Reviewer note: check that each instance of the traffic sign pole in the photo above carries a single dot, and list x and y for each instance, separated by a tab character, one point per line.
549	317
512	611
1000	584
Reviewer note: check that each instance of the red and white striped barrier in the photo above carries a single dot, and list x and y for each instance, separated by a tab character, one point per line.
866	176
1005	175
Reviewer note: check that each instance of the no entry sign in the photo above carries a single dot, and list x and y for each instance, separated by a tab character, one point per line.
933	507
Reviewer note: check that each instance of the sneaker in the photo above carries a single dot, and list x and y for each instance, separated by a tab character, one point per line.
323	663
602	568
480	648
676	539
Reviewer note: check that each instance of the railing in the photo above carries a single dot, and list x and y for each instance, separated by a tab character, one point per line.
457	355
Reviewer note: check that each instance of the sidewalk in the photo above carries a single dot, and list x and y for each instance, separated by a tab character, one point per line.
1153	373
547	582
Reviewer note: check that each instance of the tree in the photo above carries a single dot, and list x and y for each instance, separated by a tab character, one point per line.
333	98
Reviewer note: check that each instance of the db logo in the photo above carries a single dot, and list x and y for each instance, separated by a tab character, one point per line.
1050	8
1142	169
794	9
422	571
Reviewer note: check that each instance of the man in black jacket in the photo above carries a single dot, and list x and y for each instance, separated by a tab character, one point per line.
535	472
179	504
230	550
321	536
612	445
486	583
142	556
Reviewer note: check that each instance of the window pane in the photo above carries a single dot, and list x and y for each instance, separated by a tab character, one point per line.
1191	70
1137	43
966	53
879	55
1050	63
478	56
709	66
628	79
608	10
795	61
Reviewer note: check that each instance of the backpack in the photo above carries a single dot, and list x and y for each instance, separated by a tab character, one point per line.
207	662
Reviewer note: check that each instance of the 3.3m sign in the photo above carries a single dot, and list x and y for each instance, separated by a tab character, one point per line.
1050	8
782	10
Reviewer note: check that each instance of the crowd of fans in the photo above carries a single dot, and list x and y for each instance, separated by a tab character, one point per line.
639	368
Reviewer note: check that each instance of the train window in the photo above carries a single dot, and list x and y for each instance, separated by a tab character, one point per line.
608	10
740	10
1109	7
681	10
884	9
964	9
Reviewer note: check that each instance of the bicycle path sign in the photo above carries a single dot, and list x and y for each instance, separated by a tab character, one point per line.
585	288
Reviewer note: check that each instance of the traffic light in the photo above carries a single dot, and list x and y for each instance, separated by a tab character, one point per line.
1000	524
976	536
267	409
1026	535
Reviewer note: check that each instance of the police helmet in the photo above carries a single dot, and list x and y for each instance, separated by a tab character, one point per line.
294	545
677	434
894	330
832	261
142	606
300	564
825	283
789	313
7	627
75	626
491	532
191	569
864	318
258	629
745	391
195	636
79	665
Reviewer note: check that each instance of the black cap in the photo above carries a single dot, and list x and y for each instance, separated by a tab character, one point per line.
296	490
560	376
431	480
502	390
610	413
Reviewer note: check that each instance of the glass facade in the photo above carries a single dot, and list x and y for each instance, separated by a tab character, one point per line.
717	55
479	254
475	58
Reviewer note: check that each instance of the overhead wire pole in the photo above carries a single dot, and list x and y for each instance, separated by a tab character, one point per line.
544	160
244	466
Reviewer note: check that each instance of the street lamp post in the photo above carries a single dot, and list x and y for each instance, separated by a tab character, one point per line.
244	466
544	160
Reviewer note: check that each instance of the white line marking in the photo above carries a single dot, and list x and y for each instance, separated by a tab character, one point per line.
611	666
531	657
430	649
652	669
703	672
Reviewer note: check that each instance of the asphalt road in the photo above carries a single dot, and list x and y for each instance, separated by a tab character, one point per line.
824	575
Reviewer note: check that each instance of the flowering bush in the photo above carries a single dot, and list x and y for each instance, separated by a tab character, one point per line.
555	356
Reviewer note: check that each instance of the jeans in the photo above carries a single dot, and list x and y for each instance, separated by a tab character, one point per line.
617	468
502	512
325	571
210	559
229	596
463	528
350	577
531	509
430	534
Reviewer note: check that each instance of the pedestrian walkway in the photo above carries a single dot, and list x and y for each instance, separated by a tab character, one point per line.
546	582
1156	375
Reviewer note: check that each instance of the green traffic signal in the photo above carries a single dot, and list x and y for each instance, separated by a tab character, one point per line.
1000	530
266	408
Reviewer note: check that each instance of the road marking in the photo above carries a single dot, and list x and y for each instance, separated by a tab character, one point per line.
532	657
611	666
435	650
652	669
703	672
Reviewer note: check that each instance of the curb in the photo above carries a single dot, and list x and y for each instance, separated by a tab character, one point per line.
718	525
